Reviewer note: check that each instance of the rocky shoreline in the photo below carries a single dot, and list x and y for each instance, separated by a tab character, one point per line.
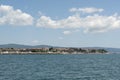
51	51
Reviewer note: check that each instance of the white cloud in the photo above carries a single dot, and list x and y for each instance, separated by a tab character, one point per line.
14	17
90	23
86	10
99	23
45	21
35	41
66	32
77	30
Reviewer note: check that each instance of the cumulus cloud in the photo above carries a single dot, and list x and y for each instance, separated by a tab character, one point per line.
66	32
87	10
89	23
8	15
35	41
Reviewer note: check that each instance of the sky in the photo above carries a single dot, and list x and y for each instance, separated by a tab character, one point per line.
67	23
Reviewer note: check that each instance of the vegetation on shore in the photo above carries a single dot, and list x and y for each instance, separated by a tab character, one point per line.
51	50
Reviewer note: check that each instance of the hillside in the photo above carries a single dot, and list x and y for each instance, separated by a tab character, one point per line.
111	50
23	46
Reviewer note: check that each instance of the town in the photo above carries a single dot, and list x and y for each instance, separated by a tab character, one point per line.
51	50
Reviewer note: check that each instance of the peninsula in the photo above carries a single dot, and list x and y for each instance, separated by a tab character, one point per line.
51	50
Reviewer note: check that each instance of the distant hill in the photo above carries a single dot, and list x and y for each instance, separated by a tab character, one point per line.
23	46
111	50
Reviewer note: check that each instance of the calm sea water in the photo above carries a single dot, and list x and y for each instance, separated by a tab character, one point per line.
60	67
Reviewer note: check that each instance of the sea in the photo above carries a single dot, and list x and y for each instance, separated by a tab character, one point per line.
60	67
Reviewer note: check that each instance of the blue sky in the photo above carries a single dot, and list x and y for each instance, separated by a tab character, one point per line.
71	23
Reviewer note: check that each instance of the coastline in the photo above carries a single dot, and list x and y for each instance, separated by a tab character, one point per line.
35	53
51	51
